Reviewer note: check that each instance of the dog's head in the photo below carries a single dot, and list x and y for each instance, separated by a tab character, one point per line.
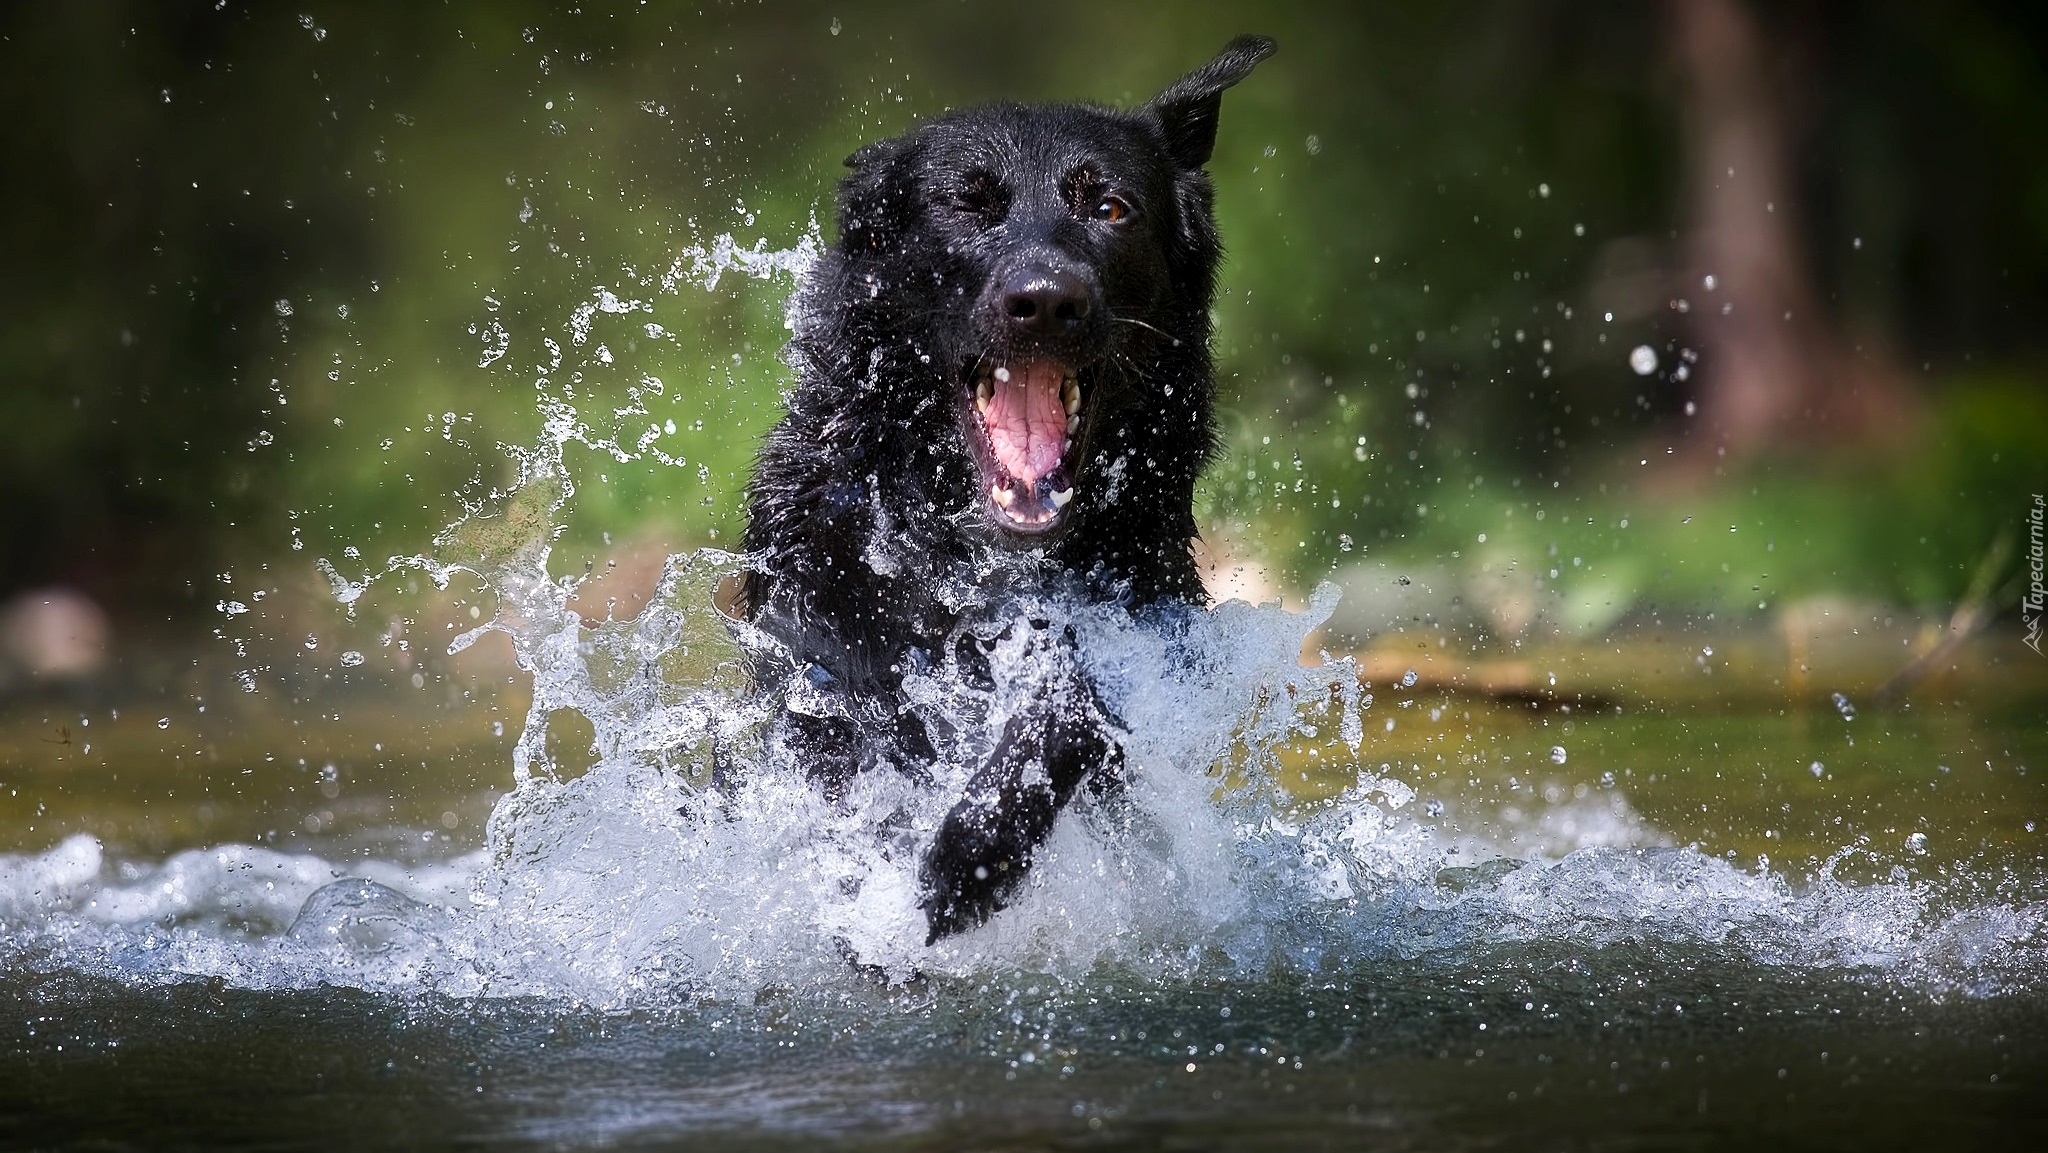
1046	271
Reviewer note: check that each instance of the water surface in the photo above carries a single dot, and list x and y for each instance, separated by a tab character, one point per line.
1632	921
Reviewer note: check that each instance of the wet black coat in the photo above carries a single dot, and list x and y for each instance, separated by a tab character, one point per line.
875	552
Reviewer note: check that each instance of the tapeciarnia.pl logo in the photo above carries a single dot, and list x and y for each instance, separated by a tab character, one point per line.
2032	603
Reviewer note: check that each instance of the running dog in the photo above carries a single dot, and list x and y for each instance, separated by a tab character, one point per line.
1003	389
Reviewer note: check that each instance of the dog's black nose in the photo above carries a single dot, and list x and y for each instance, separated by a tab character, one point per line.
1046	302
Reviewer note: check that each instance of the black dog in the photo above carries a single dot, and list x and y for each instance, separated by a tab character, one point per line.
1003	389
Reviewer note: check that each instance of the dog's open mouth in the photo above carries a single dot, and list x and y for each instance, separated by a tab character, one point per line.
1026	422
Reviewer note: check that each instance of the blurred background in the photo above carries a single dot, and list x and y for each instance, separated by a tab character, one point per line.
1663	383
1541	319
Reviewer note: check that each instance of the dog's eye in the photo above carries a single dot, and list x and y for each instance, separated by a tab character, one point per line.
1113	209
979	195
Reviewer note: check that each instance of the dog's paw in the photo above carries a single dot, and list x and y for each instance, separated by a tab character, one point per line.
980	856
958	901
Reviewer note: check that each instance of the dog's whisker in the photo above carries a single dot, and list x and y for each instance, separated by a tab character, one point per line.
1128	363
1141	324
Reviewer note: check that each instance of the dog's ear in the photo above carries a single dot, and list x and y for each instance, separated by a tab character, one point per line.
868	154
1187	109
872	203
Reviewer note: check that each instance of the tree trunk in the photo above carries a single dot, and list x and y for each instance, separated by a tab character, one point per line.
1775	370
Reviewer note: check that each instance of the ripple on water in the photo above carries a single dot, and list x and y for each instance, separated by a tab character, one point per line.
634	884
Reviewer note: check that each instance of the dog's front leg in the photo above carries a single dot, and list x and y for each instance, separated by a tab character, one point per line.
985	844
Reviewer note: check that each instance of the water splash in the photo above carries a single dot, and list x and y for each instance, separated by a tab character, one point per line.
499	525
635	880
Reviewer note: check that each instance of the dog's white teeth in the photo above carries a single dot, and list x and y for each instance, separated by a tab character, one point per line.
1001	494
1070	395
1060	497
983	393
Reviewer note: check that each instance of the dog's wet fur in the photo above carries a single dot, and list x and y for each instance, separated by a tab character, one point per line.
1003	388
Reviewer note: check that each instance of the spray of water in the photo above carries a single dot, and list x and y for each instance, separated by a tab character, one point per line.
638	880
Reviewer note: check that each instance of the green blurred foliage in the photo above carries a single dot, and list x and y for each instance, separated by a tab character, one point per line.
289	284
1908	522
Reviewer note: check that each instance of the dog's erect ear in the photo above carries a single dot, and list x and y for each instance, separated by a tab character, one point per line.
1187	110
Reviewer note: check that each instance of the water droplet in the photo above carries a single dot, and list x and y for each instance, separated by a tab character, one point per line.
1643	359
1917	844
836	26
1843	707
351	659
1557	754
1408	679
1434	808
1607	780
1816	768
163	722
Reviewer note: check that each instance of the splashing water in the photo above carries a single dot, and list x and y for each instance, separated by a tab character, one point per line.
637	881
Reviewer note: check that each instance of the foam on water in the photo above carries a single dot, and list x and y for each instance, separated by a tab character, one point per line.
636	881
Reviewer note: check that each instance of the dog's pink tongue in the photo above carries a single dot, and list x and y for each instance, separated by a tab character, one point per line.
1027	423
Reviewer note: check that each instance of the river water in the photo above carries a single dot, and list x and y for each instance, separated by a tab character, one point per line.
1328	910
1521	928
